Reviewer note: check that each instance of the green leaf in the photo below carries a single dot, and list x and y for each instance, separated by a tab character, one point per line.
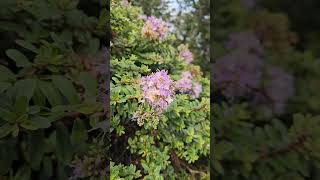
62	172
64	148
21	105
4	86
15	131
6	74
7	115
36	149
8	153
221	149
23	173
87	108
218	167
5	130
51	140
51	93
11	26
22	118
36	122
66	87
38	97
20	59
34	109
90	84
61	108
79	133
93	46
47	168
27	45
25	87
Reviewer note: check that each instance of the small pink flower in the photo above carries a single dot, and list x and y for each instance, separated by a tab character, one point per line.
125	3
185	85
143	17
185	53
155	28
197	89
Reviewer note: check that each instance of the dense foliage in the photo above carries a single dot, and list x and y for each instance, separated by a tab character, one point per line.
159	101
266	96
52	89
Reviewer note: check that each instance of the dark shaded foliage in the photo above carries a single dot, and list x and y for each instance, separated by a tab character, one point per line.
51	89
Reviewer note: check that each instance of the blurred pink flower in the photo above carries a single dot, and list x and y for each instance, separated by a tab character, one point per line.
237	73
197	89
185	85
143	17
185	53
155	28
125	3
246	41
279	87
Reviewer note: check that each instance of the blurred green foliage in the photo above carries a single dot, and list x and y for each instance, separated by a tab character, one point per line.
305	25
49	86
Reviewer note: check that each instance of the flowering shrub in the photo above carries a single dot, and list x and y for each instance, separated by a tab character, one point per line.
159	111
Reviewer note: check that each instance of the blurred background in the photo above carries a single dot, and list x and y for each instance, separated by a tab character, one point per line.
265	89
53	71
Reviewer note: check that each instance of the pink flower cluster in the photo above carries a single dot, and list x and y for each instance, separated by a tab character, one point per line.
155	28
237	73
185	53
185	85
277	89
197	89
244	74
245	41
158	90
125	3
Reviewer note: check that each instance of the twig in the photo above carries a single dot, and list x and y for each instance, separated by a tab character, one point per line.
290	147
179	162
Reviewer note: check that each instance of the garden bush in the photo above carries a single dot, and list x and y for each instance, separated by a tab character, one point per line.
159	101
